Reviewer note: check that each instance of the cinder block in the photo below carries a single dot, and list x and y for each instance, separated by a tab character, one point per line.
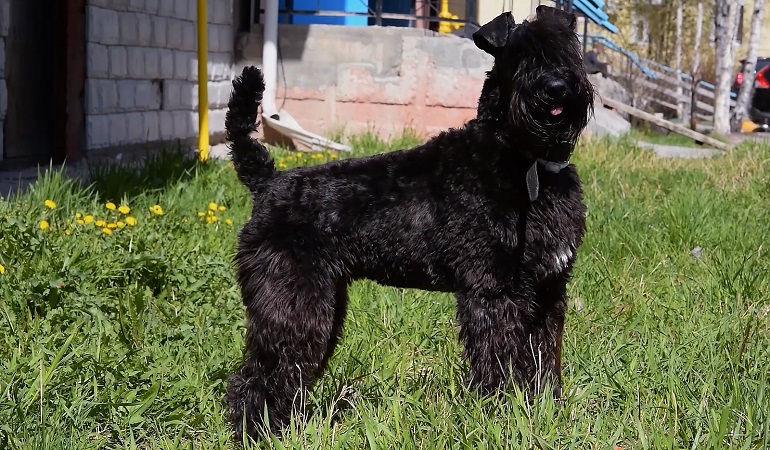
136	68
166	125
166	63
226	39
144	22
108	95
217	120
212	35
98	60
94	24
3	99
135	128
151	126
182	124
174	37
118	129
147	95
220	66
189	42
192	10
152	63
103	26
166	8
93	100
126	95
180	9
182	65
97	131
223	11
136	5
129	28
159	31
152	6
118	61
5	17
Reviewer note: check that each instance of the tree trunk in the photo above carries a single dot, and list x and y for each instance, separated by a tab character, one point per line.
725	33
696	64
741	111
678	60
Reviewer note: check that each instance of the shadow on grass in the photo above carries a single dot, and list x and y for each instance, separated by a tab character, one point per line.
155	171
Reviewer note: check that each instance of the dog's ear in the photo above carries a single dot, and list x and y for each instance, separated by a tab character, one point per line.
494	35
565	17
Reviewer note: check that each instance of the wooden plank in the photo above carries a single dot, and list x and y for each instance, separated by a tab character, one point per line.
700	138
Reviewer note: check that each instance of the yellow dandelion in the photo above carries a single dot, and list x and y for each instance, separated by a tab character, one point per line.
201	213
44	225
222	208
2	269
157	210
50	204
78	215
100	224
120	224
88	219
210	213
335	156
214	219
130	221
229	221
298	155
112	226
111	206
124	209
213	206
80	222
106	231
68	232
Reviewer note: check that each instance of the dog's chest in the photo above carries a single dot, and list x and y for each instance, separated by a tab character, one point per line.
554	231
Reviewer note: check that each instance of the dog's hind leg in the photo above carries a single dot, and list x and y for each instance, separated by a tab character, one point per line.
293	316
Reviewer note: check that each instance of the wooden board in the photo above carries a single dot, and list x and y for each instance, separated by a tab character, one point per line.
700	138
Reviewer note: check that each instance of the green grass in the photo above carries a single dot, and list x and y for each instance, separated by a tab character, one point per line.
124	341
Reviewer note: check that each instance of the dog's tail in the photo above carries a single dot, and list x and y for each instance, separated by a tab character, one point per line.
251	159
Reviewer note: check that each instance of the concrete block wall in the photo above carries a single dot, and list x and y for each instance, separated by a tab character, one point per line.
5	23
373	78
141	70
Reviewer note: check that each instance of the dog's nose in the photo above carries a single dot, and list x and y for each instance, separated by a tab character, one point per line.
556	89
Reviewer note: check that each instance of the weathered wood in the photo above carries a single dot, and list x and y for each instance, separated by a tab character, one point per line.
697	137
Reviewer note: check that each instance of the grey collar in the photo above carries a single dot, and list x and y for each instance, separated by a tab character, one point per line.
553	166
533	182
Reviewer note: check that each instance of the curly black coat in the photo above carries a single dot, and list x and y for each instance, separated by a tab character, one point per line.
469	212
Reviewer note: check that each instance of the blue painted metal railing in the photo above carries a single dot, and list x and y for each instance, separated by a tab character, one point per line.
644	64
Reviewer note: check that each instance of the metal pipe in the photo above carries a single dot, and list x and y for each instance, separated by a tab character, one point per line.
203	84
270	57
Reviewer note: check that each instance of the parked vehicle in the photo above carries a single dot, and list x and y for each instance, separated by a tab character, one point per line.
759	108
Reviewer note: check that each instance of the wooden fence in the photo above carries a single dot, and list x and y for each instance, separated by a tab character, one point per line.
652	85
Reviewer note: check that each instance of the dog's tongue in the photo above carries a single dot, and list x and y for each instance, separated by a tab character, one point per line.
556	111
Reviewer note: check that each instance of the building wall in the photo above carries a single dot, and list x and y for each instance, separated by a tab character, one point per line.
356	79
141	70
5	13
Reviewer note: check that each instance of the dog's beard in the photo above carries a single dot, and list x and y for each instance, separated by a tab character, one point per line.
547	124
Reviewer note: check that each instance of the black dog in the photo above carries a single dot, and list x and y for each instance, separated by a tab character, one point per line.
491	211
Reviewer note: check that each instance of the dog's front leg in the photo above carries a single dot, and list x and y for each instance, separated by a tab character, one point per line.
508	339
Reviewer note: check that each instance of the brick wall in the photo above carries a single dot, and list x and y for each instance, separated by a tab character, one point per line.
5	7
141	70
380	79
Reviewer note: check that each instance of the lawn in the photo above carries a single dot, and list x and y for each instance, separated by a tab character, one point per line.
118	327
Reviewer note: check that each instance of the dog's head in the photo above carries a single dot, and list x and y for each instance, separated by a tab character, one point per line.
538	85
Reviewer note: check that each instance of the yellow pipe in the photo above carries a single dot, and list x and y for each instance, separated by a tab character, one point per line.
447	27
203	85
